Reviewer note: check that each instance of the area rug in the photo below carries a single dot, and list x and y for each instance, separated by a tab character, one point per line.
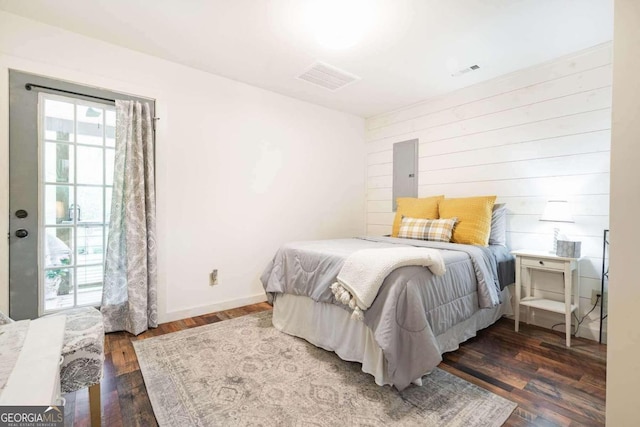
243	372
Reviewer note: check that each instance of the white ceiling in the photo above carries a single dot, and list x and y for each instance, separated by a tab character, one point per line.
403	55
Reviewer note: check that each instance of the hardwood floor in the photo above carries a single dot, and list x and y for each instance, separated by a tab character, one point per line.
551	384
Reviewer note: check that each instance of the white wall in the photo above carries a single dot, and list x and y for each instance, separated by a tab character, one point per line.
240	170
534	135
623	363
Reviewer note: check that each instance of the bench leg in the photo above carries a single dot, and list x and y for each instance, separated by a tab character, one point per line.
94	405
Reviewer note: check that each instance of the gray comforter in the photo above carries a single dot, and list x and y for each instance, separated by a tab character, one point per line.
413	306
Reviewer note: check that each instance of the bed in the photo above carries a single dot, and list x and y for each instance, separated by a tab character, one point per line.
416	316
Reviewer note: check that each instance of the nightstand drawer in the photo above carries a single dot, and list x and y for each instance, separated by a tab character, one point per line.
543	263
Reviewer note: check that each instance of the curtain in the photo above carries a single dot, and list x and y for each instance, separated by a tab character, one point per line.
129	299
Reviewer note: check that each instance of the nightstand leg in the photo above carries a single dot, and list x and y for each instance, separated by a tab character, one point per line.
518	292
567	302
527	285
576	288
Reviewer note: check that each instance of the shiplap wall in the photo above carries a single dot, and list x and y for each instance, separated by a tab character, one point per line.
537	134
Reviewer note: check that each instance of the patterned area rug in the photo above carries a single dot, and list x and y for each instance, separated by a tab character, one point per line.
243	372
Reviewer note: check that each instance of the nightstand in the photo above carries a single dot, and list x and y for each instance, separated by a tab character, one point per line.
528	260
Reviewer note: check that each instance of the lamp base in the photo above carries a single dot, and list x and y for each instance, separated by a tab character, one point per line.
556	232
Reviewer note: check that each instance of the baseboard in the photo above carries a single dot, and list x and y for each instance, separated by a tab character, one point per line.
211	308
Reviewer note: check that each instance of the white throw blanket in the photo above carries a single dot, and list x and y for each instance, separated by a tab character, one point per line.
364	271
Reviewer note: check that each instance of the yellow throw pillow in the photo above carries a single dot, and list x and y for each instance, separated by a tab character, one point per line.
474	218
425	208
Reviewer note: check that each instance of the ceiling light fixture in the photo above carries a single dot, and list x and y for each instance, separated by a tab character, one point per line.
339	24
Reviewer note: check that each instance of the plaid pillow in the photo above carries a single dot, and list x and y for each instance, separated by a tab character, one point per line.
436	230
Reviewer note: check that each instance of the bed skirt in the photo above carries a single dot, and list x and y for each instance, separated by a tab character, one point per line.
330	327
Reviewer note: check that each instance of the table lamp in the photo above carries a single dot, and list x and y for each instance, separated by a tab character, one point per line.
557	211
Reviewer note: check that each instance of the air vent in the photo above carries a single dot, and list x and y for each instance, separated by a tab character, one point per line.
465	70
327	76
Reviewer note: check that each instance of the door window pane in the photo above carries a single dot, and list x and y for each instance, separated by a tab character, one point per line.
89	281
58	204
90	245
110	128
90	204
108	195
58	162
109	164
58	120
90	125
58	246
58	289
89	165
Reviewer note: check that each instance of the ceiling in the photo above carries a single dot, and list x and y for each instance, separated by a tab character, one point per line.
404	50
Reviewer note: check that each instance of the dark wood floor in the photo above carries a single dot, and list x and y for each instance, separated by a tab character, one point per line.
551	384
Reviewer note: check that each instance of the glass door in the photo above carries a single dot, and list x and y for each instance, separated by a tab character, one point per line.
76	150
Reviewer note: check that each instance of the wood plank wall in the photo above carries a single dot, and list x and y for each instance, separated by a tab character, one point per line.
528	137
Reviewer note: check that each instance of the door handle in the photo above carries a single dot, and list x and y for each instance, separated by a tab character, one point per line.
22	233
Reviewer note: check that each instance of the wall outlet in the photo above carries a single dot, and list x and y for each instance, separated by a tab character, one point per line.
213	278
594	297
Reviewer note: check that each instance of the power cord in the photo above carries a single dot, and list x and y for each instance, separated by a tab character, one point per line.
577	326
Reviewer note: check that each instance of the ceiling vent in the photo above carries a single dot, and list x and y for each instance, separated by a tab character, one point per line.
327	76
465	70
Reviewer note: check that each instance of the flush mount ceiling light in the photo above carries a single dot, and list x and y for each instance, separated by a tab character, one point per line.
339	24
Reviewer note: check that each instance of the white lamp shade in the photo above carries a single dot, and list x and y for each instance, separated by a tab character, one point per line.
557	211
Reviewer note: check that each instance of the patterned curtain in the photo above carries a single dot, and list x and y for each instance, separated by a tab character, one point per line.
129	300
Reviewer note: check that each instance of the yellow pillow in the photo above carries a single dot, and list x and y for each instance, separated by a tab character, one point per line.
425	208
474	218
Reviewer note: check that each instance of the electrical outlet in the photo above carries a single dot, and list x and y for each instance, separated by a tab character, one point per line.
213	278
594	297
